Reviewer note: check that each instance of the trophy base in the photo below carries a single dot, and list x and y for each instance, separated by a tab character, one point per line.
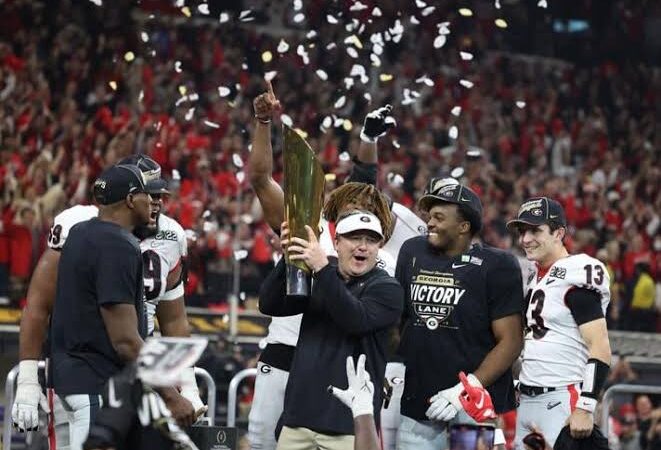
298	282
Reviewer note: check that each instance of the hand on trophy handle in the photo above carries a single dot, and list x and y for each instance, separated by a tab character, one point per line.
309	251
266	104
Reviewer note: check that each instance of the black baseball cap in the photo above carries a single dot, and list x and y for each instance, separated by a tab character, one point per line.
151	172
117	182
448	190
539	211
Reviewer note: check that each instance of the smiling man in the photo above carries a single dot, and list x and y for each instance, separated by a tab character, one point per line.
351	309
462	314
566	340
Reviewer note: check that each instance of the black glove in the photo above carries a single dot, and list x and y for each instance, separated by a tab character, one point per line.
377	123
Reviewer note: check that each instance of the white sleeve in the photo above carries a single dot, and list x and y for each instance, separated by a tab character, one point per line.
64	221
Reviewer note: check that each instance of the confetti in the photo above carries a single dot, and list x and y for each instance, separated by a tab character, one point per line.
426	80
395	179
224	17
331	19
348	83
377	48
385	77
358	6
177	66
300	51
97	2
331	46
338	122
211	124
357	70
141	95
344	156
466	12
298	18
454	132
414	20
203	8
427	11
113	85
376	61
444	28
466	56
521	104
283	46
395	144
286	120
440	41
347	125
456	111
465	83
267	56
193	97
244	15
189	114
497	4
353	40
240	176
129	56
420	4
542	4
327	122
311	34
236	159
223	91
144	36
186	11
301	133
240	254
322	74
376	12
268	76
298	4
368	97
340	102
352	52
501	23
244	66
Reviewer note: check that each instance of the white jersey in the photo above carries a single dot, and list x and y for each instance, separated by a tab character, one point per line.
284	330
161	254
554	353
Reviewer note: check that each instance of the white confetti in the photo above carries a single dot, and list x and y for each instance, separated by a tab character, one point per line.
177	66
344	156
521	104
444	28
376	61
377	48
414	20
282	46
358	6
542	4
395	144
395	179
300	51
141	95
426	80
179	3
270	75
240	176
465	83
376	39
211	124
298	4
376	12
420	4
440	41
286	120
237	86
466	56
357	70
353	40
338	121
244	16
236	159
331	19
244	66
180	100
456	111
189	114
398	28
368	97
322	74
240	254
427	11
224	17
348	83
327	122
311	34
97	2
454	132
331	46
193	97
497	4
340	102
298	18
203	8
223	91
352	52
144	36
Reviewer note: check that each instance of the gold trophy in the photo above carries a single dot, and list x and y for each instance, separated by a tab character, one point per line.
304	197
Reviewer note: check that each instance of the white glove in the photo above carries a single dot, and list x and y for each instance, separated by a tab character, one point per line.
360	393
25	411
446	404
190	391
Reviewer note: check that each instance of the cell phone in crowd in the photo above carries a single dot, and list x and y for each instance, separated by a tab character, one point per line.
471	437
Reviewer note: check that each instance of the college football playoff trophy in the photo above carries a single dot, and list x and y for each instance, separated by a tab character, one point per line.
304	197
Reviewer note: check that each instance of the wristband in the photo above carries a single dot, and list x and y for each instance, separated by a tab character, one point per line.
594	379
28	371
366	138
262	120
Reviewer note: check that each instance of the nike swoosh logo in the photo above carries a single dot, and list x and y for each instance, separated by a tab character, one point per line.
456	266
480	404
552	405
550	281
112	397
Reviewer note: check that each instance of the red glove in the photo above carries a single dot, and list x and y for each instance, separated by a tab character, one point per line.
476	401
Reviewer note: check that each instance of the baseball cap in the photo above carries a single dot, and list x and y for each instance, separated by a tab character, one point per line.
539	211
116	182
151	171
359	220
596	441
449	190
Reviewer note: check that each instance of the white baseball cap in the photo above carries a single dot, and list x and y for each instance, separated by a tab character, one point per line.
359	221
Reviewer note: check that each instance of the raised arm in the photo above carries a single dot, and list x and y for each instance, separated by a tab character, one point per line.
260	161
376	124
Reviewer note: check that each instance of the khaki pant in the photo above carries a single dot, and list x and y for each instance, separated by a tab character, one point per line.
306	439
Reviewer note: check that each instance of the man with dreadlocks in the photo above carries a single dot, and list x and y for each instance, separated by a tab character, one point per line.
399	224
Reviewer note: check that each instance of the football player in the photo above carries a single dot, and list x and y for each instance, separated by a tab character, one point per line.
566	356
164	252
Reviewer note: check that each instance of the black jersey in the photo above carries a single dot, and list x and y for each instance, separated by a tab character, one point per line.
446	326
100	265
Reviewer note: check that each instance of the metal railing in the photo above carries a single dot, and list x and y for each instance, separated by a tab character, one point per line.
232	393
622	389
10	391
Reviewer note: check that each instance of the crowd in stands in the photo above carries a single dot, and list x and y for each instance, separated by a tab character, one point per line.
83	85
